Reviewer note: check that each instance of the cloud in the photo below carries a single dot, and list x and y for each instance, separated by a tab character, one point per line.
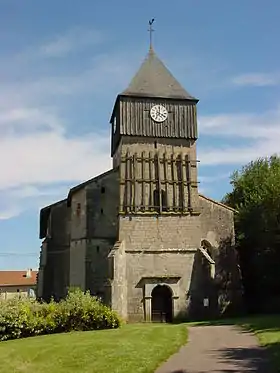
61	45
39	150
9	212
242	125
14	201
35	147
254	135
40	166
257	79
73	40
107	73
28	119
50	157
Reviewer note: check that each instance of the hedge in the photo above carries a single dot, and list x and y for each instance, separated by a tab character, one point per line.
26	317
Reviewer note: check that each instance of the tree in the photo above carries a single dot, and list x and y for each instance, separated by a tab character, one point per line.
256	197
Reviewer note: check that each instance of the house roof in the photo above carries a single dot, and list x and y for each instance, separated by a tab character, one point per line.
17	278
153	79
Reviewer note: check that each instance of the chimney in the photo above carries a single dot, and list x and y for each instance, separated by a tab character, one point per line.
29	273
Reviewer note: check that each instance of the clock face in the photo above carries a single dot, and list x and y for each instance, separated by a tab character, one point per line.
159	113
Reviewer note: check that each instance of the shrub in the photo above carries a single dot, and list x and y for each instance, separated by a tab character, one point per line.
79	311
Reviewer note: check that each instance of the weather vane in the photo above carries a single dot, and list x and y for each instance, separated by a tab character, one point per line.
151	32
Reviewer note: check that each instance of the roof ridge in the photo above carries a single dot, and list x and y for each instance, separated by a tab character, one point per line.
217	202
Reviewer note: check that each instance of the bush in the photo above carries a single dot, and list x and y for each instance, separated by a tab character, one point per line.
25	317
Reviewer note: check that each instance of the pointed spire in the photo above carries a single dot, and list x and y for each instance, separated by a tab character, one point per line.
153	79
151	30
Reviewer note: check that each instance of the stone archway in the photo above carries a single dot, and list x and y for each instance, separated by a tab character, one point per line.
162	304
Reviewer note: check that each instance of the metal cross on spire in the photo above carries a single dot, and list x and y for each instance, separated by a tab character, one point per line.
151	30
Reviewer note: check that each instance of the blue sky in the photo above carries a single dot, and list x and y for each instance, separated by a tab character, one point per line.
62	64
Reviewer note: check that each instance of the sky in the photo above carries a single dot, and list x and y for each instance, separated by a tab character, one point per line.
62	63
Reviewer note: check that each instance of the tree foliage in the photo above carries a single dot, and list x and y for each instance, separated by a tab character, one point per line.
256	197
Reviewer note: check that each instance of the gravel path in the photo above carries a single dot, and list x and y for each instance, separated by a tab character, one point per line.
218	349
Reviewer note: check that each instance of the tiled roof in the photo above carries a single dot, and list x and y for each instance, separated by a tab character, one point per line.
13	278
153	79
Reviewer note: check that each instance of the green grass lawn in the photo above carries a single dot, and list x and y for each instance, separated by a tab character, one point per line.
136	348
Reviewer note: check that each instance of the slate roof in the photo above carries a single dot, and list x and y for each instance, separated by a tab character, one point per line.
153	79
17	278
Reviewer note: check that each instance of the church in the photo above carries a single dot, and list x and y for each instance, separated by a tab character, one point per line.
140	236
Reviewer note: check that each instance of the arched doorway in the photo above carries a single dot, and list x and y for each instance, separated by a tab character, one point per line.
162	307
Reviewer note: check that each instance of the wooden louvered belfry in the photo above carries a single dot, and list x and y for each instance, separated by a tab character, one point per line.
157	161
156	183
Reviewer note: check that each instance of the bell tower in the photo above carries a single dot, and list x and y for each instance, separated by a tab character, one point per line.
153	142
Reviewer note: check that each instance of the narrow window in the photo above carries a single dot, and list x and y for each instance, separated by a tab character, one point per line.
97	249
155	144
163	200
115	125
101	211
78	209
157	201
102	190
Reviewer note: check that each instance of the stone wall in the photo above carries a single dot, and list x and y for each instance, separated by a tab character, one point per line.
225	289
102	199
164	249
117	261
56	267
168	145
78	238
158	247
78	215
217	221
160	232
93	232
147	269
97	267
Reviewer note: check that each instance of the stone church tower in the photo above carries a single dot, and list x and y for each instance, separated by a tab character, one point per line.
141	236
